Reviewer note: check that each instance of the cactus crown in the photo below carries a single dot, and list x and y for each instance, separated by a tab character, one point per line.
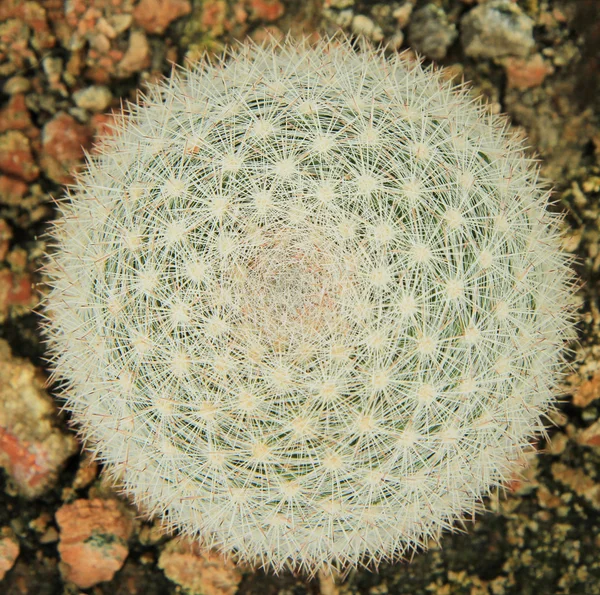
307	304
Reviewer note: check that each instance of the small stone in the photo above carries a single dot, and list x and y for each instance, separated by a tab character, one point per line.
267	33
32	450
15	116
99	42
93	540
40	523
16	158
402	13
339	4
547	499
198	571
104	27
342	18
9	550
265	10
16	85
87	472
73	68
17	259
559	15
14	34
496	29
152	534
154	16
363	25
557	444
95	98
578	481
63	143
12	190
430	32
590	436
137	56
213	17
329	586
526	73
49	536
587	391
6	236
120	22
53	68
396	40
15	290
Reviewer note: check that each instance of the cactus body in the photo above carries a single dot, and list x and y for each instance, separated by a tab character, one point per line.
308	305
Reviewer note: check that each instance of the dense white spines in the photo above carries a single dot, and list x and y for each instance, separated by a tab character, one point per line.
308	305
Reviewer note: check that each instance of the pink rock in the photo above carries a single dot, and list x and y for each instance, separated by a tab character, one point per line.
587	391
9	551
11	190
156	15
93	540
197	570
213	16
266	10
15	116
16	158
526	73
63	143
590	436
32	450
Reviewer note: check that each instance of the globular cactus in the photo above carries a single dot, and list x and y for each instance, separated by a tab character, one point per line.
307	304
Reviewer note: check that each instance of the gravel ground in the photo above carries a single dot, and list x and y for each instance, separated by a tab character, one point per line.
64	65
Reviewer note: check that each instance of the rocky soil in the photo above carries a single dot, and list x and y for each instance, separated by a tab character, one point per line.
64	66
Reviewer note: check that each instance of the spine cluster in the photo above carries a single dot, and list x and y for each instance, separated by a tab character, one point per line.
308	305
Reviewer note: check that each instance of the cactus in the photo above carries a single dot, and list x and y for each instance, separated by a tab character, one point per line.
307	304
